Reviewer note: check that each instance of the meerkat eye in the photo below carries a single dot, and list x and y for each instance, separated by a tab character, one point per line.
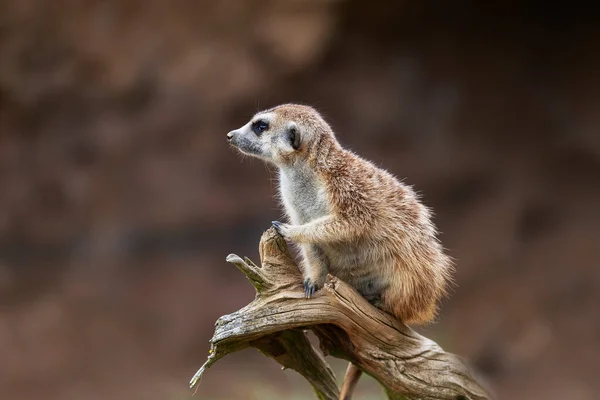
258	127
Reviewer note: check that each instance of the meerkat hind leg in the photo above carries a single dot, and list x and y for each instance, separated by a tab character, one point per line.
351	378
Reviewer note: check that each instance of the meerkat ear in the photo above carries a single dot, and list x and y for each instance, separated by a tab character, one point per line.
294	136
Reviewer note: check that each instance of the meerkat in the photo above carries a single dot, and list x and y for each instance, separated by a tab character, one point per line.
350	218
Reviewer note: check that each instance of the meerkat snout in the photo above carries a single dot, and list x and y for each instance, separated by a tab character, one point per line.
271	138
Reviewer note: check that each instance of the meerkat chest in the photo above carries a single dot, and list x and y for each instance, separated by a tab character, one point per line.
303	195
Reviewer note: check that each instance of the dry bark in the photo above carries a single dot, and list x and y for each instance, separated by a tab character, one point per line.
406	364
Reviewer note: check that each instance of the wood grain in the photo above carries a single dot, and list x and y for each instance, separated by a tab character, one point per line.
406	364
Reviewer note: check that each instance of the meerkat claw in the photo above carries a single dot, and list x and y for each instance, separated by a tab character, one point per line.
310	288
277	226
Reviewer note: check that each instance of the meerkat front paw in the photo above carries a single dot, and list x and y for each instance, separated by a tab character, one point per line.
313	285
284	230
277	225
310	288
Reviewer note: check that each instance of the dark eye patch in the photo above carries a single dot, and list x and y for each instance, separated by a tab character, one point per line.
258	127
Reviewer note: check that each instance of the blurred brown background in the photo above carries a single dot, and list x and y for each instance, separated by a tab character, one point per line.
120	198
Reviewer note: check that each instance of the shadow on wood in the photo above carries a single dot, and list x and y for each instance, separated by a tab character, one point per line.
406	364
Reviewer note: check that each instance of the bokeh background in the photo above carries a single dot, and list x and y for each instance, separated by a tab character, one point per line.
120	198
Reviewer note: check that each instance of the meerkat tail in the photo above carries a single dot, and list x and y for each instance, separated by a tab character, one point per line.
351	378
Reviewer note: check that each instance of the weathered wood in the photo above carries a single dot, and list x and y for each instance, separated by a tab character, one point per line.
406	364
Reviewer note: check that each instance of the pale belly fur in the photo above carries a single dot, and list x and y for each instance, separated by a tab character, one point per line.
305	200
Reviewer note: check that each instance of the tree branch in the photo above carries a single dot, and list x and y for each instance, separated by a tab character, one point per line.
404	362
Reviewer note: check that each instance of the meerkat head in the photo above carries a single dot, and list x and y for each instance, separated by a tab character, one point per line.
281	135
